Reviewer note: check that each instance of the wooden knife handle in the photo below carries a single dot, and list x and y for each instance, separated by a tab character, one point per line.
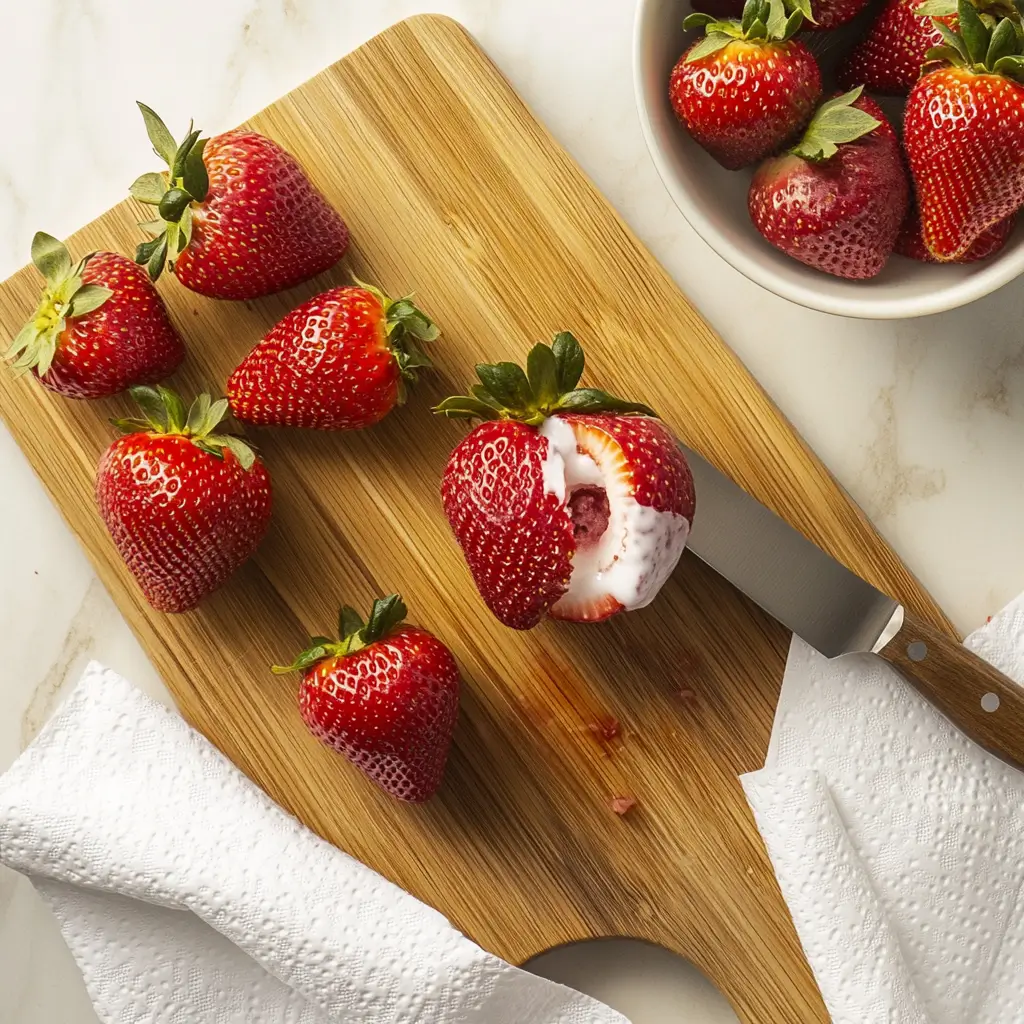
978	699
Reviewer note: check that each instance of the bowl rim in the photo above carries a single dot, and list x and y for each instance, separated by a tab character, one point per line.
1003	269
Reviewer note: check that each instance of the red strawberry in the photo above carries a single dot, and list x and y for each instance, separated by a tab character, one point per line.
818	14
829	14
889	58
239	218
100	326
386	696
910	242
340	361
185	506
742	95
836	200
568	502
964	134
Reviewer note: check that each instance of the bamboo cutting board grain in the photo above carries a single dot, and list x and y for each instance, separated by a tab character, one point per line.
451	188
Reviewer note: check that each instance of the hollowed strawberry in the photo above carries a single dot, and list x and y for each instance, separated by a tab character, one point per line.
565	502
633	524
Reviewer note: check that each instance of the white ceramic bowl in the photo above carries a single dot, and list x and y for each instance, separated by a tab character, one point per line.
714	201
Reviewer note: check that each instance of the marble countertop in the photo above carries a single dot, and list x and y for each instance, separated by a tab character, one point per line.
922	421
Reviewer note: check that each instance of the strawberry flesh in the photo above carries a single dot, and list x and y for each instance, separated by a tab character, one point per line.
635	527
840	215
263	226
590	511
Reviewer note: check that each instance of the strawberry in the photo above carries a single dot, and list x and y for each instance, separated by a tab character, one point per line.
837	199
747	87
889	58
829	14
99	328
818	14
386	696
910	242
185	506
964	132
340	361
239	218
565	501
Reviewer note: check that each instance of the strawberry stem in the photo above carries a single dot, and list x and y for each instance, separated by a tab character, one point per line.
387	615
172	192
548	386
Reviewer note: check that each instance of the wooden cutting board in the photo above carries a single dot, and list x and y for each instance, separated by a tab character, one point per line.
452	188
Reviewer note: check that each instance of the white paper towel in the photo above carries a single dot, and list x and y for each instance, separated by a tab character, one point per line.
898	843
188	897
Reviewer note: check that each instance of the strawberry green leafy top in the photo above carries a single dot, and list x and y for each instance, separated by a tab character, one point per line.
988	39
548	386
172	192
765	20
387	615
406	326
163	412
836	121
64	297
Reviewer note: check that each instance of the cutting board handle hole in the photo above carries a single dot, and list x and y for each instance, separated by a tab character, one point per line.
990	702
646	983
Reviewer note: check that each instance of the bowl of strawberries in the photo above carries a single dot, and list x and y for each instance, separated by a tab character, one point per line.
859	157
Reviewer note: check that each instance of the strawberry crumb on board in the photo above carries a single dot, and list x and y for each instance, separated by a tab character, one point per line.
607	732
688	696
606	728
622	805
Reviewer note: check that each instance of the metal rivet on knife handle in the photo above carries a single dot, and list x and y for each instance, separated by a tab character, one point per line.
917	650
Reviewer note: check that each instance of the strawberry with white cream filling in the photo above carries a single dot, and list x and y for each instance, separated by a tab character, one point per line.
596	513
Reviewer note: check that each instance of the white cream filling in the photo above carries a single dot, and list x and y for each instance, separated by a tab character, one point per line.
565	466
640	547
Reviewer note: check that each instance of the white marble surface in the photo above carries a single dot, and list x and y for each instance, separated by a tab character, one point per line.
923	421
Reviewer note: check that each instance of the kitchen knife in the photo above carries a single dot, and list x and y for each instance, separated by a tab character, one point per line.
838	613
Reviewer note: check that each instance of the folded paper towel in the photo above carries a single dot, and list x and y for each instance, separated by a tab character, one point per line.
898	843
187	896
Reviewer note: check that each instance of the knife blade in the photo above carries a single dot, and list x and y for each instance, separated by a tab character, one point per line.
838	613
